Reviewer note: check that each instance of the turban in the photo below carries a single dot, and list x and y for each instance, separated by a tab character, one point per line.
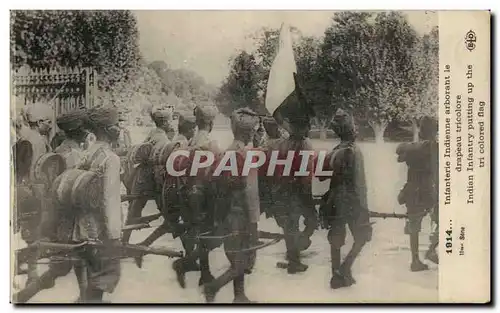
343	123
187	119
206	113
428	125
72	120
160	113
102	117
38	111
244	120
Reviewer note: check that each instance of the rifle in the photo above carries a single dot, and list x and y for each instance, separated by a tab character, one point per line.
54	249
45	249
319	200
148	196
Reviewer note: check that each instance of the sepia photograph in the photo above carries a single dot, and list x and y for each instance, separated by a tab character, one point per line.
232	156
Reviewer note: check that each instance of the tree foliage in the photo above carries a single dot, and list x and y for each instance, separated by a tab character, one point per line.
106	40
372	56
242	86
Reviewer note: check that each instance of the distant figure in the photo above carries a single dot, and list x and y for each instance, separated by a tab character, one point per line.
124	141
420	193
345	202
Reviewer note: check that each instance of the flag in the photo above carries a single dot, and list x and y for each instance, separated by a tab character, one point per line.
285	99
281	84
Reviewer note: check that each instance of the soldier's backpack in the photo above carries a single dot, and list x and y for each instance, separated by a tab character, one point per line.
76	191
138	155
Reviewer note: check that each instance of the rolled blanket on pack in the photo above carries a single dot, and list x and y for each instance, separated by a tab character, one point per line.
139	154
78	188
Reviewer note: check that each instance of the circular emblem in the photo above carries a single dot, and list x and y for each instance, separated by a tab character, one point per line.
470	40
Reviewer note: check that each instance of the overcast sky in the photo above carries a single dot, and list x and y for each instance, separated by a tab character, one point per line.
204	41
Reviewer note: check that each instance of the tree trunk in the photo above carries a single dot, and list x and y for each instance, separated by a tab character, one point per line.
415	129
322	130
378	130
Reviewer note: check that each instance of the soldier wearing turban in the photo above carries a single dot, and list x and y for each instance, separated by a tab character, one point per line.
103	272
172	202
242	212
143	178
73	126
420	193
162	118
346	200
199	197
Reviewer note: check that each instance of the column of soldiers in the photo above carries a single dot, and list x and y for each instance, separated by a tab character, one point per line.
96	272
223	207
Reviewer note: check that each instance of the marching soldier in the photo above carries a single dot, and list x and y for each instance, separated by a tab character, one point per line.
420	193
73	125
143	181
28	149
346	201
172	194
104	225
240	220
199	194
162	118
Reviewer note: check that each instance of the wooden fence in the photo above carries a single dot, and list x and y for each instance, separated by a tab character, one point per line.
65	89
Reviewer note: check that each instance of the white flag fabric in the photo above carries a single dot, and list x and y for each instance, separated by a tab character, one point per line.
281	83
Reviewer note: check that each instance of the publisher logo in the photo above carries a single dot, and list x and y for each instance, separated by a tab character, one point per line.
470	40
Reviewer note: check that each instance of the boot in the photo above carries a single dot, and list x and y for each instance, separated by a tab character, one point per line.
205	279
94	296
347	274
432	256
338	281
239	290
294	264
178	267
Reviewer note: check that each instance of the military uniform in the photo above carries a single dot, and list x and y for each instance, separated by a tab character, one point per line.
104	223
346	201
240	222
198	193
71	150
172	202
291	197
420	193
143	177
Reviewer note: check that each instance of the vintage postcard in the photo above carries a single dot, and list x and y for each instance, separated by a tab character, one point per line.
250	156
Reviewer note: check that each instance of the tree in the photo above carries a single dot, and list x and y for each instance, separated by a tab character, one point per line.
184	84
423	95
241	87
105	40
369	56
